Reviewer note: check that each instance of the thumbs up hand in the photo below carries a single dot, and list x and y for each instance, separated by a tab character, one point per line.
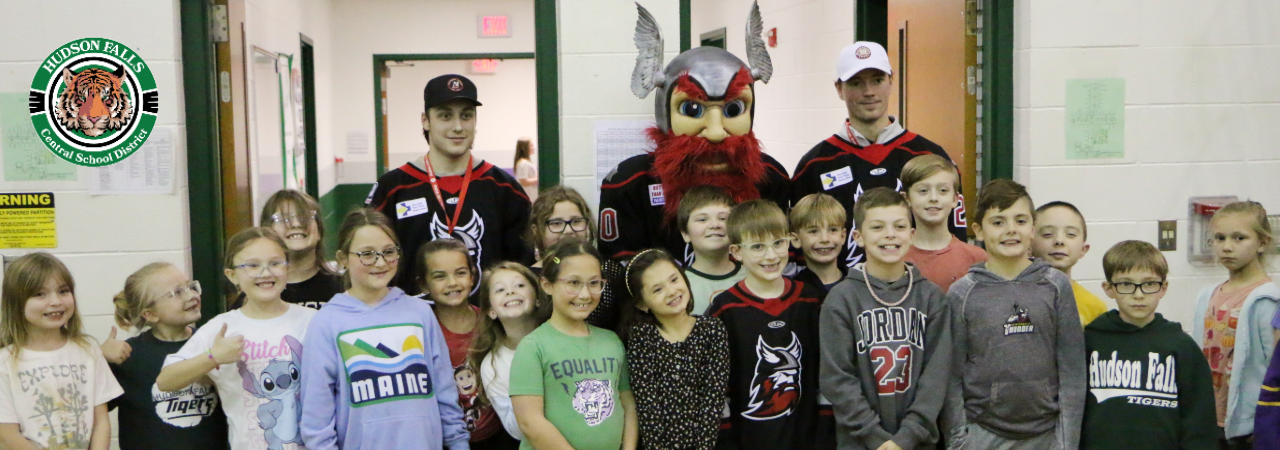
226	350
114	350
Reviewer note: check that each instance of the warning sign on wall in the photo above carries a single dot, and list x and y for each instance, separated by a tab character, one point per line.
26	221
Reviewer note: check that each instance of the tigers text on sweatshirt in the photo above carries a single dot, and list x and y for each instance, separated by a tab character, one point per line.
1149	388
1019	366
882	365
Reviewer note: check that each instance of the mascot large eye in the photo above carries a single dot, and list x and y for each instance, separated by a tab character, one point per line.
268	383
692	109
734	109
293	372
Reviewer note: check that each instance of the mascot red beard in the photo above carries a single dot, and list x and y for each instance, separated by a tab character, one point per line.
704	107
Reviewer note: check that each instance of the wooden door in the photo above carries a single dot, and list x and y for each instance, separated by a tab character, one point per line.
237	209
933	50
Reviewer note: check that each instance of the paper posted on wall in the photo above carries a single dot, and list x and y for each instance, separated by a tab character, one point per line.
617	140
150	170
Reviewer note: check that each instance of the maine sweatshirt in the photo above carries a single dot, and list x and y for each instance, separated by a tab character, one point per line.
1019	355
882	366
1149	388
379	377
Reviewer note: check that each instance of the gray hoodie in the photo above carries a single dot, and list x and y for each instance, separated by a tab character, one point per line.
1019	355
884	367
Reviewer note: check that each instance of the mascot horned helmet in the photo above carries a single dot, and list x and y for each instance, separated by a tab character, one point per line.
704	108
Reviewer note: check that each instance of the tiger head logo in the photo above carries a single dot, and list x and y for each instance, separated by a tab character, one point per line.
594	400
775	388
93	102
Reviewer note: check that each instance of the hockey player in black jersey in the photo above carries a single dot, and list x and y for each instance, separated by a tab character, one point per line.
704	107
449	194
869	149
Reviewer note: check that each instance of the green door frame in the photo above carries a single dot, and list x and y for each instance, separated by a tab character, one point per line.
307	47
204	188
380	61
871	23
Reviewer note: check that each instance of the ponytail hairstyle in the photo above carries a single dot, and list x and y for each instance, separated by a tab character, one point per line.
566	248
138	296
433	247
24	278
632	315
490	334
523	147
1261	226
354	221
301	204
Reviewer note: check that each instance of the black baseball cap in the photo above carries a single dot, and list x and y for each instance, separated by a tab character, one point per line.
445	88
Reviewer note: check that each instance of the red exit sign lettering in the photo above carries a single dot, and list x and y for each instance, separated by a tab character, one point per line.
484	66
493	26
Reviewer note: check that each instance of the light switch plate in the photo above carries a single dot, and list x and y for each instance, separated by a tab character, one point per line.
1167	240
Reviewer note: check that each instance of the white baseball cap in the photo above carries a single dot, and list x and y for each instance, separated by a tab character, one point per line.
862	55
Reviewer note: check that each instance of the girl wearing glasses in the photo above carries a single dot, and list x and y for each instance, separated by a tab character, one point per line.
376	374
250	353
164	304
573	390
560	213
296	217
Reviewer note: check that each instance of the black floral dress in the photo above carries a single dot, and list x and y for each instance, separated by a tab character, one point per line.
679	387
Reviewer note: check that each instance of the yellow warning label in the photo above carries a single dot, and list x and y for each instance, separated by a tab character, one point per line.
27	221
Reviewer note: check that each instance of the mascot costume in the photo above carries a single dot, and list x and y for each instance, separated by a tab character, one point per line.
704	108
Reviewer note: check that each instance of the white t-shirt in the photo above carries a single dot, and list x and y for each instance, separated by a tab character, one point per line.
268	347
51	395
495	376
526	169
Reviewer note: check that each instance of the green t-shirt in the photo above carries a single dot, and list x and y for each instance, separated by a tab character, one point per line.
580	384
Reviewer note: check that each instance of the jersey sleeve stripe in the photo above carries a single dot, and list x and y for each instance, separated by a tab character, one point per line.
623	182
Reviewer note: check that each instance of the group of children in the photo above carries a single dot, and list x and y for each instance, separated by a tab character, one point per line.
928	341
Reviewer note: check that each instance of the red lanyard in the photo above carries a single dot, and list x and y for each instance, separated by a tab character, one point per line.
462	197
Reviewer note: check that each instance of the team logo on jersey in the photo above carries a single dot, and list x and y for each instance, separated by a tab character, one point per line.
1019	322
1156	386
594	400
775	388
469	234
656	195
777	324
385	363
879	171
836	178
854	257
93	102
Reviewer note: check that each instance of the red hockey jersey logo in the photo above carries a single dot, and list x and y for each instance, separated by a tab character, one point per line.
775	388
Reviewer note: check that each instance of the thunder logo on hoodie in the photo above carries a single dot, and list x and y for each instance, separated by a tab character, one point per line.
385	363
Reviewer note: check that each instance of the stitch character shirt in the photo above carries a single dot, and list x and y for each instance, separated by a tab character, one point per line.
581	379
266	417
51	395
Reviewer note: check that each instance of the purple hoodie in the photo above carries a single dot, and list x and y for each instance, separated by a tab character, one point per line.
379	377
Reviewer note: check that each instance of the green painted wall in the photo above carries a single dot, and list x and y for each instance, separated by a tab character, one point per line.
334	205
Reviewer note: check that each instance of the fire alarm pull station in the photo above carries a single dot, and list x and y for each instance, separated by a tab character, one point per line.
1200	212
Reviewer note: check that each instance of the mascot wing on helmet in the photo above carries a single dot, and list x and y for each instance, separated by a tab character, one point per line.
648	71
757	53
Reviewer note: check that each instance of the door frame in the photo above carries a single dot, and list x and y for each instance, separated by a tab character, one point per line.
995	155
308	60
380	62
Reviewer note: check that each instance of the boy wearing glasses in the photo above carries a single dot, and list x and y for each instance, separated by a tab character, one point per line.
1149	384
703	217
772	324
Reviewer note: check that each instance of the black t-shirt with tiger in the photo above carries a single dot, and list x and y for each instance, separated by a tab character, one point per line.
632	202
845	170
773	369
494	215
189	418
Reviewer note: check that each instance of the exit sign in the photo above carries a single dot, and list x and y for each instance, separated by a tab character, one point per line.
492	26
484	66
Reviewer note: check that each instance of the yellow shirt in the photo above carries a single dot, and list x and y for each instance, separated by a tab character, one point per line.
1089	306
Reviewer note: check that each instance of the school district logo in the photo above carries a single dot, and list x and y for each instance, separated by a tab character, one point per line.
93	102
594	400
385	363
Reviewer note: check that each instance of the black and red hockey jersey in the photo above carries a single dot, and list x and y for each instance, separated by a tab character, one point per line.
774	360
845	170
494	215
631	208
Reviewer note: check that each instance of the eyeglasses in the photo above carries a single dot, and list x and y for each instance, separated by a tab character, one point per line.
181	291
574	287
370	257
259	270
558	226
758	249
294	220
1150	287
